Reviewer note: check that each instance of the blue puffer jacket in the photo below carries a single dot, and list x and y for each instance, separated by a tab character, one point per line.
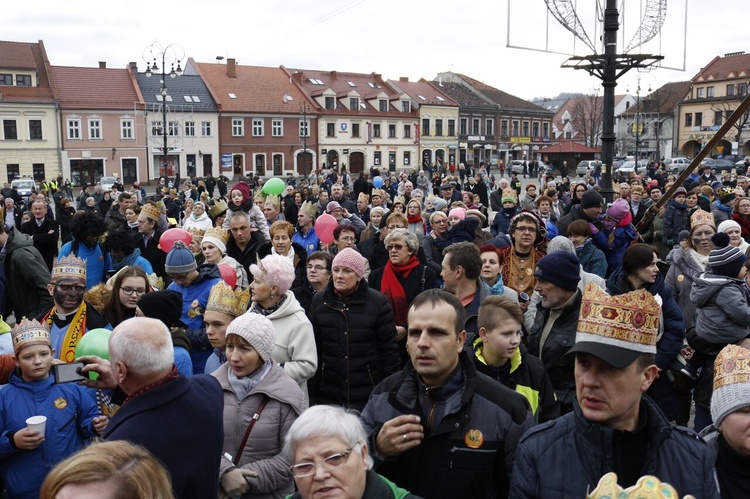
566	457
69	410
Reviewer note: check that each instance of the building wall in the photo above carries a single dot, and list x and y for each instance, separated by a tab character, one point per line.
433	147
23	152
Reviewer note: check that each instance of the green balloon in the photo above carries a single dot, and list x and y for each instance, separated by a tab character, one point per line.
274	186
95	342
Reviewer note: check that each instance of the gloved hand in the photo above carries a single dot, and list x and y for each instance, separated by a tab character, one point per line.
593	228
234	483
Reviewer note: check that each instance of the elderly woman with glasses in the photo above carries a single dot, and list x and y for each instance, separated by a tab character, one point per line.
402	279
329	452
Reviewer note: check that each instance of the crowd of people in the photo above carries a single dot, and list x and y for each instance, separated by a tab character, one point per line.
454	335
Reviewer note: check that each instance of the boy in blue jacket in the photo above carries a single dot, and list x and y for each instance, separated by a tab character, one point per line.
26	456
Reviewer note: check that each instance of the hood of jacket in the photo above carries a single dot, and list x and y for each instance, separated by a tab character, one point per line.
207	271
19	240
706	286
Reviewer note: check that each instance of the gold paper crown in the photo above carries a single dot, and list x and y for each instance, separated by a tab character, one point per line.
151	211
399	199
227	301
29	332
363	197
309	209
509	193
377	192
218	208
196	232
273	199
217	233
156	282
647	487
629	321
701	217
68	266
732	366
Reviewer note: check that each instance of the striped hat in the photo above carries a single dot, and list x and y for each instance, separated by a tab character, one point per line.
725	260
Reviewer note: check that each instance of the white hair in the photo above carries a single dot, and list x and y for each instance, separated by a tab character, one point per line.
144	345
327	421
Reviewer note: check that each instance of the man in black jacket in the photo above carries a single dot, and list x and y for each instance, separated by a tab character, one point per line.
439	428
614	426
44	231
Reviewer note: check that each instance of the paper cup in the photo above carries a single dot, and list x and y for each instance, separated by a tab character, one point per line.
37	423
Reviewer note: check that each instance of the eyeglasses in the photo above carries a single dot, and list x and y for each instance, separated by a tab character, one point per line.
441	221
526	229
302	470
317	268
133	291
348	239
67	288
397	247
181	277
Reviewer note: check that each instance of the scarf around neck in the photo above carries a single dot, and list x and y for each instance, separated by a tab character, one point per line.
394	291
243	386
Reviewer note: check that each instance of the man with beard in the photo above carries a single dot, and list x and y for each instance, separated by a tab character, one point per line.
70	317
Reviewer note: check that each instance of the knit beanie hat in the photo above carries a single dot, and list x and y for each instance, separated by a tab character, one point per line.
244	188
218	237
728	224
560	243
439	204
684	234
458	213
165	306
561	269
349	258
180	260
591	198
680	191
725	259
257	330
618	209
731	385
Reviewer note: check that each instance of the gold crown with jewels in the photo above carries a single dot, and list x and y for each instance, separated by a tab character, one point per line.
228	301
151	211
217	233
647	487
29	332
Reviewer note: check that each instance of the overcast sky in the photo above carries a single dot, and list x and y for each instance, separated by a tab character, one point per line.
414	38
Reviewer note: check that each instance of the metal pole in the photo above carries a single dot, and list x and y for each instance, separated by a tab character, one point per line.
637	124
165	150
609	82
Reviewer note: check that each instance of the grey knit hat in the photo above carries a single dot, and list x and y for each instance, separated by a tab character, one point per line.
257	330
180	260
731	386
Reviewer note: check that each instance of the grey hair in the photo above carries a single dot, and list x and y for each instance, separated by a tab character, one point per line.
411	240
144	345
327	421
240	213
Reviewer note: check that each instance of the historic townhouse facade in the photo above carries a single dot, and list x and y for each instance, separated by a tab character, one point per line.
363	123
714	93
29	131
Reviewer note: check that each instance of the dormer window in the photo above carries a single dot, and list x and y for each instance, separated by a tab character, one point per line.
353	103
405	106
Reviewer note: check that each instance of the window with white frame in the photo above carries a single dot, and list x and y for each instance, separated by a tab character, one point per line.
504	128
463	126
383	103
451	128
353	103
126	129
277	128
438	127
475	126
545	130
407	131
407	158
174	128
257	127
489	127
525	128
425	127
405	106
304	128
391	131
238	127
190	129
205	128
155	128
95	129
35	130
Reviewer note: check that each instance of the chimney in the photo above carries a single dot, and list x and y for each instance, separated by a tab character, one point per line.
134	67
102	64
405	79
231	67
333	74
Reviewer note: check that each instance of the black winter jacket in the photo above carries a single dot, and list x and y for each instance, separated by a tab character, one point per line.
470	450
560	340
567	457
356	343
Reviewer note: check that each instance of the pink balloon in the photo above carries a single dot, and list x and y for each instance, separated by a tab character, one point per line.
170	236
324	226
229	275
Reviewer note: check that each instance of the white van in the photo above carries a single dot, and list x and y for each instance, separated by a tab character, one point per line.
676	165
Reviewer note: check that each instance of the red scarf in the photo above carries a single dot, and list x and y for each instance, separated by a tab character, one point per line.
394	291
413	219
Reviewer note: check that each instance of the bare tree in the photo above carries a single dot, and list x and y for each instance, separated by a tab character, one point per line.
725	107
586	116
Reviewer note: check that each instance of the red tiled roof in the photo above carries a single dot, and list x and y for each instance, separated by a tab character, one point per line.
721	68
257	88
505	100
568	146
27	56
426	89
663	100
94	88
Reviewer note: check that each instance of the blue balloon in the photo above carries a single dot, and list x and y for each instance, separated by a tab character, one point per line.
377	182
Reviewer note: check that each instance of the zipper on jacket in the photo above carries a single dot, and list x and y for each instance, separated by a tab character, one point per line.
369	373
430	399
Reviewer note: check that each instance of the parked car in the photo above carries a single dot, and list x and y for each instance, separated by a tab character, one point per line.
586	165
25	186
106	183
629	167
677	164
720	165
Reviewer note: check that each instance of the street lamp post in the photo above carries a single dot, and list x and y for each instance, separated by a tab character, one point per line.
168	54
637	124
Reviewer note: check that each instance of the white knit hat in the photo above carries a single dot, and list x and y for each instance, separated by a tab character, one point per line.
731	385
257	330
